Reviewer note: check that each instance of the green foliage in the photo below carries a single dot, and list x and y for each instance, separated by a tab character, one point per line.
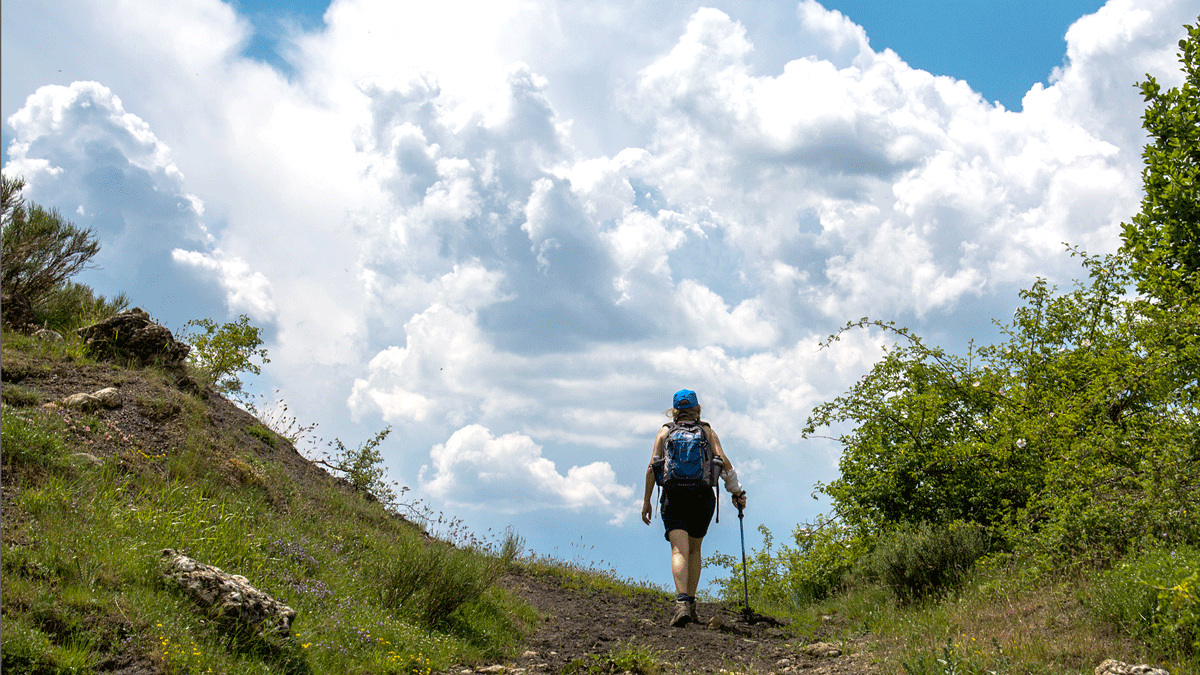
74	305
792	575
925	560
220	353
40	250
1153	596
1078	433
1075	435
1164	239
363	466
918	450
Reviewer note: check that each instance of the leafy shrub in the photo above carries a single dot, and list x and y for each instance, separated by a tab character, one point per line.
220	353
362	466
791	576
1153	597
923	560
40	249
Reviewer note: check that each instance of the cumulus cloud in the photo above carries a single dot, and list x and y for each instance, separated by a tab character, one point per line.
476	469
245	290
924	193
77	146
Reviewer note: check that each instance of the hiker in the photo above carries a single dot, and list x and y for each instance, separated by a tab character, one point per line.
687	461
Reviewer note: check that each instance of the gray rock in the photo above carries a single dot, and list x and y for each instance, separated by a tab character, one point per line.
227	597
132	336
82	402
48	335
109	397
822	650
1115	667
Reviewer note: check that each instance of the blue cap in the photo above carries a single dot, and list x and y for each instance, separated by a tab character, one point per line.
684	399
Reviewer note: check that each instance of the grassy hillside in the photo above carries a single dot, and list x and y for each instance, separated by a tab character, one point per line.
91	499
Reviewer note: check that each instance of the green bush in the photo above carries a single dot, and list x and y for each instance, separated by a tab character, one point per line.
1153	597
40	250
429	580
362	466
925	560
792	576
221	353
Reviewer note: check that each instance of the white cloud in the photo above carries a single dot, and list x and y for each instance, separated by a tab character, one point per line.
475	469
245	290
924	192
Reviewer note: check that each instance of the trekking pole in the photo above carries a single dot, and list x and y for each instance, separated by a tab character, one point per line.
745	586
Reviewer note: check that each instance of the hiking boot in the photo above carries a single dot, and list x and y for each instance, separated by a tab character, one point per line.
692	611
683	614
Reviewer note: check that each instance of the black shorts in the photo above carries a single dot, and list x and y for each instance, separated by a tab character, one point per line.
687	507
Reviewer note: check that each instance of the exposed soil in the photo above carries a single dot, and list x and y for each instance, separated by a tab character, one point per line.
581	627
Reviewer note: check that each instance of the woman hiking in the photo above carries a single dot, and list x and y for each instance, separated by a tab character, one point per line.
686	462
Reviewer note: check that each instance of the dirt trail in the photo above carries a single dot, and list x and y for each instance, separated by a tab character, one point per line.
580	622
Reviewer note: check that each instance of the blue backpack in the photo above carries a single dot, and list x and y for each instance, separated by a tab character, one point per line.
688	460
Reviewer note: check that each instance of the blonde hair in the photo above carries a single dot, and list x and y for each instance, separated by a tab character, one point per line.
691	414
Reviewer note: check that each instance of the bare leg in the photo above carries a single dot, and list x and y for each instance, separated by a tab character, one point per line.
681	556
693	566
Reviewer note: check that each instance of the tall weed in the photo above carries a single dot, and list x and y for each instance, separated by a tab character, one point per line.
1153	597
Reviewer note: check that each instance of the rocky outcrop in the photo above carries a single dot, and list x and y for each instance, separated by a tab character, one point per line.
1115	667
227	598
132	336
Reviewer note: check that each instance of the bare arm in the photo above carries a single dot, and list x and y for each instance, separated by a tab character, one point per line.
659	450
727	471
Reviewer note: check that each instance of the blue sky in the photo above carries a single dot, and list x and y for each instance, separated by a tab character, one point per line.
1000	48
511	230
